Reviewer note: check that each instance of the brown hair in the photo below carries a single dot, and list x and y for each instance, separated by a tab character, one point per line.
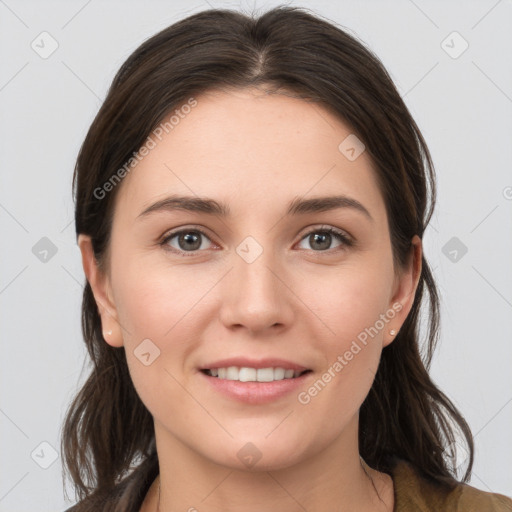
405	416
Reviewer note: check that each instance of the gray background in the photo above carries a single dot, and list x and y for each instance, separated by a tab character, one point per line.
463	105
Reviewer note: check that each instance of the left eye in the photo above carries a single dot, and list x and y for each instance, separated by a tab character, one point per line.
322	238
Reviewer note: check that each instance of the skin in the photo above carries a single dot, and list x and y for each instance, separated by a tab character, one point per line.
255	152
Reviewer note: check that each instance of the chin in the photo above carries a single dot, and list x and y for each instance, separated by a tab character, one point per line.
257	456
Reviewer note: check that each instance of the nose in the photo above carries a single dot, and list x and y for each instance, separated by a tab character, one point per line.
256	294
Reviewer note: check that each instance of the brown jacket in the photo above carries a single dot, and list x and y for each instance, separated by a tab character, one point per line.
412	494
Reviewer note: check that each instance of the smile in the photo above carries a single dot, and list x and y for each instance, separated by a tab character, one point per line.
246	374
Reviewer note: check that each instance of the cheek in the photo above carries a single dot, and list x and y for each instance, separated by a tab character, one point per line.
166	306
353	304
153	299
350	299
160	311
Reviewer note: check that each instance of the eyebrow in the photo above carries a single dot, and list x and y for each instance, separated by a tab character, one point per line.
297	206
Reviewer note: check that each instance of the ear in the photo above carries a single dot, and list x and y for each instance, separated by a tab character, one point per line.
404	290
101	289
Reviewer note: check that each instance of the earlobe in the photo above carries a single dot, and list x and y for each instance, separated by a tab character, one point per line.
405	289
100	285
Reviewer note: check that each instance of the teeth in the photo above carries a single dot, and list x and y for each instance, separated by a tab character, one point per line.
279	373
265	375
245	374
232	373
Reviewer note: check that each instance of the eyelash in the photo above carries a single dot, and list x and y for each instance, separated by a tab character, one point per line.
339	235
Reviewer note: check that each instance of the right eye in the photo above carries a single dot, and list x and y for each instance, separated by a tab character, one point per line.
185	241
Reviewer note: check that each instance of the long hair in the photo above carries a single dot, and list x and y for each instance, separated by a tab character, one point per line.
107	429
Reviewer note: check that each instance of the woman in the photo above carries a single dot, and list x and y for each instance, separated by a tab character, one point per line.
250	205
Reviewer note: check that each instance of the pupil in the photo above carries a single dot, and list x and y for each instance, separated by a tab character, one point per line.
187	238
326	238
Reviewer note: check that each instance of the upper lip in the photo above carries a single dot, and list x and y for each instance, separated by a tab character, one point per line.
243	362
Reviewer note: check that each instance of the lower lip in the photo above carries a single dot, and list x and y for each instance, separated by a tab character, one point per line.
256	392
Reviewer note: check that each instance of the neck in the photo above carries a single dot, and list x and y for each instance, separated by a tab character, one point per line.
336	478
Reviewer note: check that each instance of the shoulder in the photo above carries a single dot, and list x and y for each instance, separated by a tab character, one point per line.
414	492
472	499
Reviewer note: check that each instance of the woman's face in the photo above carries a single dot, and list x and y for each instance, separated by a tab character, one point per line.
262	282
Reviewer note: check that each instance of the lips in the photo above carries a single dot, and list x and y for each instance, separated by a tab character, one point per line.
254	381
256	392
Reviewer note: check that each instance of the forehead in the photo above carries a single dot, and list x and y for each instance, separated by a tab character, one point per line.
251	149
